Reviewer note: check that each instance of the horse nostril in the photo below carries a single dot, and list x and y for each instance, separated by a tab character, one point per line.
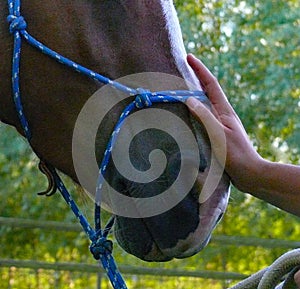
202	167
174	165
203	163
184	161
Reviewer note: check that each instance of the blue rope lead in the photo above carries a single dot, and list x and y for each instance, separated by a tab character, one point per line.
17	24
100	247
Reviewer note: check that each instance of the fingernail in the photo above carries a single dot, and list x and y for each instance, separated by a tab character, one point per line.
192	102
192	55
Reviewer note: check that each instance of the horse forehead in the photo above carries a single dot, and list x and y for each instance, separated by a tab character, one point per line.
140	10
140	5
155	12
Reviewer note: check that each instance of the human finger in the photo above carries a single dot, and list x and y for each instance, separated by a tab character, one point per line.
214	128
201	71
210	85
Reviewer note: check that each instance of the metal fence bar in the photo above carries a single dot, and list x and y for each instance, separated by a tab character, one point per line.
130	270
37	224
256	242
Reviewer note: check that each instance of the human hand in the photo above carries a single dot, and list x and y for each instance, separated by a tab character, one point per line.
242	161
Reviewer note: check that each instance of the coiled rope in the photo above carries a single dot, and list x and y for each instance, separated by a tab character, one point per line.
271	276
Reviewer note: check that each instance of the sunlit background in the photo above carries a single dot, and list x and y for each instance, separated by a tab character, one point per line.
253	47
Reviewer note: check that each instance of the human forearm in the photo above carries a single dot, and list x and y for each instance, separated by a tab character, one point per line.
278	184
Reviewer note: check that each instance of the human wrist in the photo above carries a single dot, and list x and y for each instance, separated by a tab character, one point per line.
260	176
262	179
250	175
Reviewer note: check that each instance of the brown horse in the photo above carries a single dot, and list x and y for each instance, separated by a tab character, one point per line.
114	38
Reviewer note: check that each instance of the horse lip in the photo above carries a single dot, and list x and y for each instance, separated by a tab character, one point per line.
194	251
210	215
205	231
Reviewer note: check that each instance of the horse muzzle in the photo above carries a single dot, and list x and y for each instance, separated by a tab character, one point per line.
180	232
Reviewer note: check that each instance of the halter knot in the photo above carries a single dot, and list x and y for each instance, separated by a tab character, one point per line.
100	247
143	98
16	23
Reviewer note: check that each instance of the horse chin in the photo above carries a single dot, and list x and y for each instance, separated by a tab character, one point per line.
178	233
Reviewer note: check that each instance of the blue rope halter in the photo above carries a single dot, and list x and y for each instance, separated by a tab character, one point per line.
100	247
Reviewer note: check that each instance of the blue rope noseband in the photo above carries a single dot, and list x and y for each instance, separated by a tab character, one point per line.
100	247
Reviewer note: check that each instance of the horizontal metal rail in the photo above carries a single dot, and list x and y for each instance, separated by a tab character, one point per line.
130	270
38	224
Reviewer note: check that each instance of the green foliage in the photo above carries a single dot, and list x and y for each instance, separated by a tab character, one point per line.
253	47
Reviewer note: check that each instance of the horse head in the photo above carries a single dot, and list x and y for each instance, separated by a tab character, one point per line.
116	39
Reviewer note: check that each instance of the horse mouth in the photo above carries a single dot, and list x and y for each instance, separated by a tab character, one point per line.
178	233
